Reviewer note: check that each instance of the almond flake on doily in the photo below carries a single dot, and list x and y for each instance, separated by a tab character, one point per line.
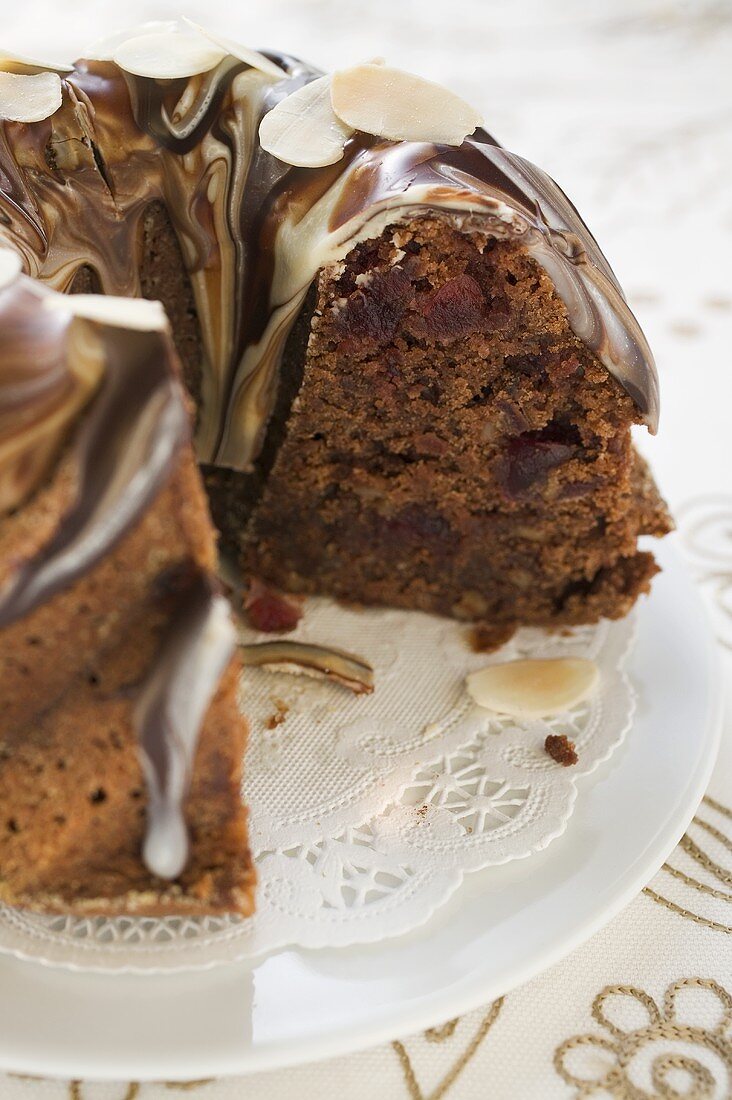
367	812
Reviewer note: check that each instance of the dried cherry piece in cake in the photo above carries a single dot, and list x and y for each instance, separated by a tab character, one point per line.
454	310
269	610
528	458
373	312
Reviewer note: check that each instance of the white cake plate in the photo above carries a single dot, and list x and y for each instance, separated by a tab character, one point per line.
503	926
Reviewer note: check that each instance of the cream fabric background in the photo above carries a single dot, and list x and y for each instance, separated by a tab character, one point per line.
629	105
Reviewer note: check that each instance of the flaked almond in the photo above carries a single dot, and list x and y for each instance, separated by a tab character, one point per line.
400	106
303	129
104	49
10	267
29	98
250	57
344	668
18	63
133	313
534	688
166	56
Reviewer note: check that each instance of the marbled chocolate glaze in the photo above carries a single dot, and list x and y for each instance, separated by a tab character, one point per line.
48	370
254	232
125	450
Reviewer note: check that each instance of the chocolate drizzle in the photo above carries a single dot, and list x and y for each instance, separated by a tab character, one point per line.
125	450
40	393
194	653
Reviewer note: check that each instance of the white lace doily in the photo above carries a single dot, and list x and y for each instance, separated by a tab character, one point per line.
367	811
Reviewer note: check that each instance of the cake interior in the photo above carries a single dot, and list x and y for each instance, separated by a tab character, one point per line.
441	441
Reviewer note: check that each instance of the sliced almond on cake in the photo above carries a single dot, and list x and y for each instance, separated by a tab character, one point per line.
303	129
534	688
104	49
166	56
29	98
400	106
10	266
18	63
251	57
134	313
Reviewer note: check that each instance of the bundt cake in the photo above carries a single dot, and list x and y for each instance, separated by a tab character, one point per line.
411	377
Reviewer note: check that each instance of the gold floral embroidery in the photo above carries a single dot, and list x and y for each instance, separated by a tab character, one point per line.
441	1034
712	867
76	1093
681	911
189	1086
133	1087
677	1055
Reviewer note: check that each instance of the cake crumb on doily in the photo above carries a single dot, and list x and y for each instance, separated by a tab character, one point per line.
561	749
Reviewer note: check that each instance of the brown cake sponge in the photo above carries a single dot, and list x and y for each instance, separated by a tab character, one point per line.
454	447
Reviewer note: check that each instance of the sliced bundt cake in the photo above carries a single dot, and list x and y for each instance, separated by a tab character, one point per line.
413	377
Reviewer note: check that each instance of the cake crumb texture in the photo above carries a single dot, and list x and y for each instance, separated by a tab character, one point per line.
454	448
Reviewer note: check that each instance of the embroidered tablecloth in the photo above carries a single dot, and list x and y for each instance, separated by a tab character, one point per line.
628	103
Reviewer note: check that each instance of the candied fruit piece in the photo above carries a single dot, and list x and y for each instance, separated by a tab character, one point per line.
454	310
561	749
373	312
487	637
269	610
528	458
526	461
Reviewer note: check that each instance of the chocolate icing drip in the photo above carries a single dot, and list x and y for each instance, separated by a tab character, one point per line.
125	450
233	268
195	650
41	390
